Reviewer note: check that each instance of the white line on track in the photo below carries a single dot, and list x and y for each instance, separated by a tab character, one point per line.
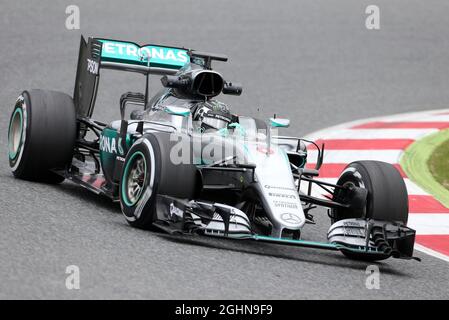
413	189
431	252
422	118
429	223
396	117
347	156
375	134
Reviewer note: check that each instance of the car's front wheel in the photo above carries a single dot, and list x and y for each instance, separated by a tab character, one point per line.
387	198
149	171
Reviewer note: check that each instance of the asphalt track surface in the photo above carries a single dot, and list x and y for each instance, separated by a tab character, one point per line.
312	61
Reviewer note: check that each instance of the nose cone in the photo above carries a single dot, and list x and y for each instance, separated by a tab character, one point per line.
282	205
277	190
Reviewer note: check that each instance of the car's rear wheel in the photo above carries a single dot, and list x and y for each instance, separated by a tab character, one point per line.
149	171
41	135
387	198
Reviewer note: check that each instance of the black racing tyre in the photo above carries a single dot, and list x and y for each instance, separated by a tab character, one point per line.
41	135
387	197
147	172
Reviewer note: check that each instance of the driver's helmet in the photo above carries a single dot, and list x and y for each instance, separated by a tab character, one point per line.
212	115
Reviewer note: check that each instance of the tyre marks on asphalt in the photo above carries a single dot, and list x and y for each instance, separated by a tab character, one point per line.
385	139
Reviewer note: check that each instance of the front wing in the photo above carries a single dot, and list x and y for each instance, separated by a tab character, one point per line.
357	236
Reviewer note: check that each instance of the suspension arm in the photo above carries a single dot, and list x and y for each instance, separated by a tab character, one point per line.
323	202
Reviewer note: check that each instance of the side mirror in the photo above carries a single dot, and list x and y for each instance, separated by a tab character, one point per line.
232	88
279	122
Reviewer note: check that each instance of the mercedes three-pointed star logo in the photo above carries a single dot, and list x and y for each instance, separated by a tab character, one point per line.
290	218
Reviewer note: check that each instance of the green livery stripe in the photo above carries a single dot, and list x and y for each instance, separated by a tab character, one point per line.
313	244
283	123
11	152
298	242
178	111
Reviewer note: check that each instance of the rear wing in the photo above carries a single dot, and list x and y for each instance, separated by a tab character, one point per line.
99	53
130	56
87	77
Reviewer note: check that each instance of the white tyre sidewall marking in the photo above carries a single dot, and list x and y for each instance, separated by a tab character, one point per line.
356	174
149	189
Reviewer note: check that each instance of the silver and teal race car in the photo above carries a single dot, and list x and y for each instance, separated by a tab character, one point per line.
182	162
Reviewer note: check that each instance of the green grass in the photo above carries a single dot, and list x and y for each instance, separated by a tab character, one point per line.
439	164
416	162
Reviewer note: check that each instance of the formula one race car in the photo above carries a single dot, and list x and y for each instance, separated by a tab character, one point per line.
182	162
